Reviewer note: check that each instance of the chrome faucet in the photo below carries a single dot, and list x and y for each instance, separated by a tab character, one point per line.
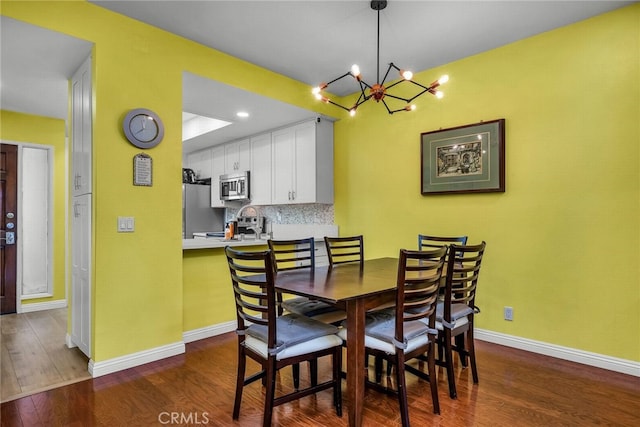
245	207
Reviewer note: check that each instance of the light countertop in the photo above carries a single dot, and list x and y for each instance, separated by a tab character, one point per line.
280	232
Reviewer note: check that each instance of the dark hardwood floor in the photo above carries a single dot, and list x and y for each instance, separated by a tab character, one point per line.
516	388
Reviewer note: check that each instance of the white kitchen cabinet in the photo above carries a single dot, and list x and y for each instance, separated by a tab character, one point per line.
302	163
81	273
81	136
237	156
217	169
200	163
260	185
81	226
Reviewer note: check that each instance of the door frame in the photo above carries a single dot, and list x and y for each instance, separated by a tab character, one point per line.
50	230
10	252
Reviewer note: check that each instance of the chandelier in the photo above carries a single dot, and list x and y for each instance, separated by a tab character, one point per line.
378	91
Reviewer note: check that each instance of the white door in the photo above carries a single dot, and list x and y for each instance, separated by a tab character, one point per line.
81	273
81	140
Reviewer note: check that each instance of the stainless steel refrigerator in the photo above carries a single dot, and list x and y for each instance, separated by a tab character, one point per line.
197	213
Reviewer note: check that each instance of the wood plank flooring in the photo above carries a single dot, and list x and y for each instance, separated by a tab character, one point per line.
34	355
516	388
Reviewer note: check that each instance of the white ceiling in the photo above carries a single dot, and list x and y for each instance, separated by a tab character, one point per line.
310	41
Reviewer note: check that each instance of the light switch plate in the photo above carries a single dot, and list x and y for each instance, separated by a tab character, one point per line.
126	224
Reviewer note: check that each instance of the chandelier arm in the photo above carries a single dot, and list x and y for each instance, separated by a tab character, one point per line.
338	105
387	73
348	73
387	107
398	97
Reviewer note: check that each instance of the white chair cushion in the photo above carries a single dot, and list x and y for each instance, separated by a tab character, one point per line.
387	347
460	322
310	346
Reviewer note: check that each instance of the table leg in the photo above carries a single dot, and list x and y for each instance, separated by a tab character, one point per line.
355	360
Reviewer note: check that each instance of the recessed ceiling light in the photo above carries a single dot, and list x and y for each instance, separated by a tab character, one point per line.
242	114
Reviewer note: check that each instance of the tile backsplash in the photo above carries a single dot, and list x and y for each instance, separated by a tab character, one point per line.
313	213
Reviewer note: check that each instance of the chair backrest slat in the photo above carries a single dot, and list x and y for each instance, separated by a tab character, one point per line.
252	279
419	274
293	254
463	270
342	250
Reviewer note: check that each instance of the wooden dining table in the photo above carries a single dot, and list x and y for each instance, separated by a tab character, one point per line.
355	288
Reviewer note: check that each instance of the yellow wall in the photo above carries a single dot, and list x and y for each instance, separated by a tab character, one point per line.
570	98
563	240
26	128
137	277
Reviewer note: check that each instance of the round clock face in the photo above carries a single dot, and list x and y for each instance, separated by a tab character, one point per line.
143	128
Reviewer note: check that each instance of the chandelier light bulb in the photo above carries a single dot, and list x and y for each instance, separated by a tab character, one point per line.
439	94
318	96
355	70
406	74
352	112
443	79
411	107
315	90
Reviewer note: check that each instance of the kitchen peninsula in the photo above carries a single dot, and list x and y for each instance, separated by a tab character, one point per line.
207	296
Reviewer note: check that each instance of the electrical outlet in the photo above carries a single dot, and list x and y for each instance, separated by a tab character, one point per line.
508	313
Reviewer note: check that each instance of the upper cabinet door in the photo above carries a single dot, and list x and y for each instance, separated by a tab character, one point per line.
282	151
217	169
200	163
237	156
302	159
260	187
81	133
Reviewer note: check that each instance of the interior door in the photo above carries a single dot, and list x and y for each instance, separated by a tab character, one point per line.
8	226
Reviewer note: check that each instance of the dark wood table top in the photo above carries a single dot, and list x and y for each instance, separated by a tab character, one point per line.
341	283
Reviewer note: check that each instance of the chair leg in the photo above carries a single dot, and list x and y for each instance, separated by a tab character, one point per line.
460	347
270	392
448	357
472	354
378	368
313	368
402	388
433	381
295	368
337	380
242	361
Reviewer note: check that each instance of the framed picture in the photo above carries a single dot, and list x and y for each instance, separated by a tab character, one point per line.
463	159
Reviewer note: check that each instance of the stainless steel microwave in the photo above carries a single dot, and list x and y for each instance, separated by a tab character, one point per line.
234	186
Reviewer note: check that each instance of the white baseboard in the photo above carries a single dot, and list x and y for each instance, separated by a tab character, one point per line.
208	331
97	369
624	366
39	306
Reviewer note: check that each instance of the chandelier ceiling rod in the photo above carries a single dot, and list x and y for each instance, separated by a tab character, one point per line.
378	91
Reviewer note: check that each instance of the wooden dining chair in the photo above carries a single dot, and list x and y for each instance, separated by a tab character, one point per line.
342	250
295	254
408	330
275	341
432	242
455	314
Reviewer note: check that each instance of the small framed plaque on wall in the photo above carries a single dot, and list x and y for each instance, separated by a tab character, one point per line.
142	170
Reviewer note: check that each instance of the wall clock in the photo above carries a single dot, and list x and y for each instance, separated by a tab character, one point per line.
143	128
